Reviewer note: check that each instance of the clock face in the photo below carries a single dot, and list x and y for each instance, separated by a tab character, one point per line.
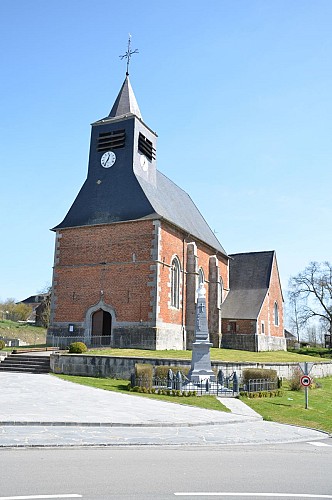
144	162
108	159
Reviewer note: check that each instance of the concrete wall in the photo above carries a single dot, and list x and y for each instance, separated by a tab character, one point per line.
123	367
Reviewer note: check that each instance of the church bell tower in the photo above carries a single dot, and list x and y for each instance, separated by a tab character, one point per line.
121	148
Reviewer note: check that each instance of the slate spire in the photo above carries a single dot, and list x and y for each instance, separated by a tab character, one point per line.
126	102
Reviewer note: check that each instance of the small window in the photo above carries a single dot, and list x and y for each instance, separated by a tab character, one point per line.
276	314
175	283
262	328
201	277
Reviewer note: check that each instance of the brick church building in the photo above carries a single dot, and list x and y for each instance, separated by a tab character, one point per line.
133	248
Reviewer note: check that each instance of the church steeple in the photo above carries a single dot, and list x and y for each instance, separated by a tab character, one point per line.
125	103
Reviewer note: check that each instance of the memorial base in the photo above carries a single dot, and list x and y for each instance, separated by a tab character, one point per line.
201	363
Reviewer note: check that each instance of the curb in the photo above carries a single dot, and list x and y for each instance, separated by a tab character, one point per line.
11	423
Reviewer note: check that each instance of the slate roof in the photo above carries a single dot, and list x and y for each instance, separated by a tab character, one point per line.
173	204
34	299
117	198
126	102
249	279
137	199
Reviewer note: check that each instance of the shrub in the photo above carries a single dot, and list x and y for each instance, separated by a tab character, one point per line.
294	381
2	344
144	371
258	373
77	348
323	352
162	370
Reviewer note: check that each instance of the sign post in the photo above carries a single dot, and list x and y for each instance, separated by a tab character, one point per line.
306	380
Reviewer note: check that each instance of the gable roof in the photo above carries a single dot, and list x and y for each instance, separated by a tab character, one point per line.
138	199
249	279
34	299
173	204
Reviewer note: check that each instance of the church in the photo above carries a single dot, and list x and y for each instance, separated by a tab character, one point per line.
133	249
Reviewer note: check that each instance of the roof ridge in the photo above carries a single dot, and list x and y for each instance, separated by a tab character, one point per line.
251	253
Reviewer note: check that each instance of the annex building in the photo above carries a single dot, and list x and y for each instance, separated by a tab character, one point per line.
133	248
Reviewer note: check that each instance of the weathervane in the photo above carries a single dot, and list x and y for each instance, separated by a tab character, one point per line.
128	54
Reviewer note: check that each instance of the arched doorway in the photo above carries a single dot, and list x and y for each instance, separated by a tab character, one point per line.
101	328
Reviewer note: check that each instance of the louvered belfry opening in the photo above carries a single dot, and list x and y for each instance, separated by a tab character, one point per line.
111	140
145	146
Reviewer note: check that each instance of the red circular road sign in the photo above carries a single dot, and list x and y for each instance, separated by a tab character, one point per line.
305	380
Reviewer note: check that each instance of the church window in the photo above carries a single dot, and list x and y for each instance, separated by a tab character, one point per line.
276	314
146	147
262	327
175	283
220	292
111	140
201	277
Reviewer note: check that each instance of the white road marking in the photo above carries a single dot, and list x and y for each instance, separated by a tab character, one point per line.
33	497
318	443
254	495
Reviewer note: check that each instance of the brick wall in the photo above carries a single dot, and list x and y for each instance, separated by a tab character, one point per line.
240	326
125	269
266	315
113	259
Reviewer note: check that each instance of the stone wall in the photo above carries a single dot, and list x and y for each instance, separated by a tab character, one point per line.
123	367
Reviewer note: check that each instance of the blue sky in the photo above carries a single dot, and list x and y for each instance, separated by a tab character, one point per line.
238	91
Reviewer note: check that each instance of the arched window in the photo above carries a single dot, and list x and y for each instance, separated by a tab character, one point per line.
175	283
201	277
220	292
276	314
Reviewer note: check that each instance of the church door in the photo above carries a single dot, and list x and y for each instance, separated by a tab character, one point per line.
101	328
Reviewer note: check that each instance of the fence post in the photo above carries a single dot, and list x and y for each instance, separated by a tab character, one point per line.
220	377
170	377
179	381
235	383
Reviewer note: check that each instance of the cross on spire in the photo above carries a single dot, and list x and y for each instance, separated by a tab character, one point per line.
128	54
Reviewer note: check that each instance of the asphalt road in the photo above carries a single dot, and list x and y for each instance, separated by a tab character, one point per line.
295	470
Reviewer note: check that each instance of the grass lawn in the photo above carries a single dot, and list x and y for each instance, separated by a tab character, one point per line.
207	402
289	409
228	355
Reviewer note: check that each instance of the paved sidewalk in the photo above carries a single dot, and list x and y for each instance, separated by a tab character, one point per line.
42	410
237	407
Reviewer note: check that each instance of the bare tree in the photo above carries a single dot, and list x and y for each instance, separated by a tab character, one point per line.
312	289
294	312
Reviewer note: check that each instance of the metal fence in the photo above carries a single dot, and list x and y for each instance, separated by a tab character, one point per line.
259	384
179	382
63	342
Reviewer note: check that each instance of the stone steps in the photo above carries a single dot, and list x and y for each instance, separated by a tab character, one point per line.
25	364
